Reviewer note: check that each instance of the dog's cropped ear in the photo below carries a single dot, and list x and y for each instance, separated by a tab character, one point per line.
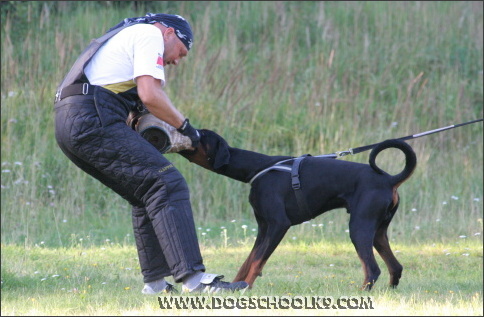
216	147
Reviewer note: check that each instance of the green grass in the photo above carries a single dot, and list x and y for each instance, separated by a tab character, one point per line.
438	279
280	78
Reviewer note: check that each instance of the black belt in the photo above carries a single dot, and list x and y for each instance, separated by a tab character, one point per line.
75	89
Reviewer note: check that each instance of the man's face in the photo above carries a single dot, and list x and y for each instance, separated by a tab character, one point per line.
175	50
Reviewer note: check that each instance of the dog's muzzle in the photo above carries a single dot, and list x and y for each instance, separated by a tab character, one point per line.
161	135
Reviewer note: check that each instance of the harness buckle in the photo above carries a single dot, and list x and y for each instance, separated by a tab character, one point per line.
296	184
85	88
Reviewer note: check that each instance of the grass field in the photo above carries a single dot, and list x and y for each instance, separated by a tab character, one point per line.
438	279
280	78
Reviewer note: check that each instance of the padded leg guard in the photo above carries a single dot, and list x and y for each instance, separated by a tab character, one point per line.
168	207
152	260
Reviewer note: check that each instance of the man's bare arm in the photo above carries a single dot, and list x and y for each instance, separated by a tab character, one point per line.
157	101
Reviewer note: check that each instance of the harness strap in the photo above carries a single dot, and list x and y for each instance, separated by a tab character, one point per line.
277	166
296	185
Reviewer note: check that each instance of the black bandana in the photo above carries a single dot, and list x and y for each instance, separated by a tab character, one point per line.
182	28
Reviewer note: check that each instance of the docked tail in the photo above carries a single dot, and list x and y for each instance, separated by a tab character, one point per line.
410	159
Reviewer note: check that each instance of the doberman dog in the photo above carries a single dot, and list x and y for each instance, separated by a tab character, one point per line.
368	193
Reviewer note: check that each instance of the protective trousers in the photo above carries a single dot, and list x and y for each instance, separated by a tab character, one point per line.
91	130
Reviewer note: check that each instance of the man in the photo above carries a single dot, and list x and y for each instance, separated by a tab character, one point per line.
123	68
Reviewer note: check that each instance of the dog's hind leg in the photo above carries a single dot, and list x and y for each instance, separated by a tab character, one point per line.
363	223
268	238
383	247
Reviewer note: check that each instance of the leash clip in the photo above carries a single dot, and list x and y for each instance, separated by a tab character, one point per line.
344	153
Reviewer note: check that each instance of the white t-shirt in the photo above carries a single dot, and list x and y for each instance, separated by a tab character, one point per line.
137	50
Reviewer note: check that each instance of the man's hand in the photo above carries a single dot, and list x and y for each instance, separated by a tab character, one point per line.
187	130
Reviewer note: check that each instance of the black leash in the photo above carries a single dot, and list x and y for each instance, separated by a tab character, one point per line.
414	136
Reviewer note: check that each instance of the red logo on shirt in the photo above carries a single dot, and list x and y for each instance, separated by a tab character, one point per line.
159	62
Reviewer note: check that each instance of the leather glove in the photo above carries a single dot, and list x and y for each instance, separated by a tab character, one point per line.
187	130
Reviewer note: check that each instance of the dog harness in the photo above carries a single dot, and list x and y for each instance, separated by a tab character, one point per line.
296	185
295	181
279	167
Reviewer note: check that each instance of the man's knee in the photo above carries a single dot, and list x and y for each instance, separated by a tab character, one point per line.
167	185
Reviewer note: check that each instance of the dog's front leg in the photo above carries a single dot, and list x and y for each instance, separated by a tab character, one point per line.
268	238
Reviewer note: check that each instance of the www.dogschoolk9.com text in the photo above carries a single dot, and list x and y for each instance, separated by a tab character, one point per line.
265	302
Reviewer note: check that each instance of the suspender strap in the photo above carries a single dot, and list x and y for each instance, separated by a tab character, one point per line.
296	185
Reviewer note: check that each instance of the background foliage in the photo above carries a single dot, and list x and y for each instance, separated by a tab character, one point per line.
281	78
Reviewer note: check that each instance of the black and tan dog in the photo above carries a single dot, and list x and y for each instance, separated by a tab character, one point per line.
368	193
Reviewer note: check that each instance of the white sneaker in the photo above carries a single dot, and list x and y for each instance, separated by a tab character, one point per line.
157	287
212	283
